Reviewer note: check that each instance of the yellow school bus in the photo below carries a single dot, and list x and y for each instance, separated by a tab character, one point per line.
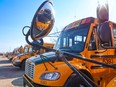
16	51
83	56
79	37
29	51
19	62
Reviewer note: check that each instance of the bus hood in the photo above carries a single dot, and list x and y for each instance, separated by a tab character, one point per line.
46	57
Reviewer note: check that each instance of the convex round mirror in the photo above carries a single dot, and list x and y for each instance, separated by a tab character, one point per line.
104	32
43	21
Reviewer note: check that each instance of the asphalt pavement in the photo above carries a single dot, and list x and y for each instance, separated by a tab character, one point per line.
10	76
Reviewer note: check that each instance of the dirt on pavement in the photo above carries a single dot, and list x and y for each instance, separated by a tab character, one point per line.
10	76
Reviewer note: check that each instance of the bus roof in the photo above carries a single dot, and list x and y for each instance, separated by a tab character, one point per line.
80	22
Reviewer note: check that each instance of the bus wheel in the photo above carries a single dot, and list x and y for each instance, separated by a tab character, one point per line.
24	84
75	81
23	65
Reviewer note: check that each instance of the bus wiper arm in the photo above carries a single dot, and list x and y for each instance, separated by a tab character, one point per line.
45	58
43	62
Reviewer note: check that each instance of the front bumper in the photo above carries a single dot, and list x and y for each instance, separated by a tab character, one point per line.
29	83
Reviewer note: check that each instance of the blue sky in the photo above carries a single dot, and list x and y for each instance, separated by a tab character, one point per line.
15	14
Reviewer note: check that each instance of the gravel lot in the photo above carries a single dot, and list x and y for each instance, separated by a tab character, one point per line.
10	76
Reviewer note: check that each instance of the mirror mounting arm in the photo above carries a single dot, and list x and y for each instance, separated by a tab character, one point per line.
34	44
24	29
26	37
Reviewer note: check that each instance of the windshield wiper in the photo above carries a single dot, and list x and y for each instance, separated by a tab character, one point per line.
46	58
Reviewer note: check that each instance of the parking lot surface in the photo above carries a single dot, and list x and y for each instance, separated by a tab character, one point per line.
10	76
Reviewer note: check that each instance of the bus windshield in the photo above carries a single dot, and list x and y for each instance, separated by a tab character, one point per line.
26	50
73	40
31	49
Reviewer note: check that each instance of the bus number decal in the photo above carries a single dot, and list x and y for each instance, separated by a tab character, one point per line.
108	60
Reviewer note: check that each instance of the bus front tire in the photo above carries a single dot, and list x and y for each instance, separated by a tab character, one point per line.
75	81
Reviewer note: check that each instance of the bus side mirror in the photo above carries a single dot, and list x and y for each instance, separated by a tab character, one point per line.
43	21
104	33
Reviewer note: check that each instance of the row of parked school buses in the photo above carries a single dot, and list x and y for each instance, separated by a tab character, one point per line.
19	55
16	51
83	56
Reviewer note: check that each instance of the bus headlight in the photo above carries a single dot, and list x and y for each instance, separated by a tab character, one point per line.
50	76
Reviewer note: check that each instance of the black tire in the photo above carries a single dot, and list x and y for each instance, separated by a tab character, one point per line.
23	65
75	81
24	84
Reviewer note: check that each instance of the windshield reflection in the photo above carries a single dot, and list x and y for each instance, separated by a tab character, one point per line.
43	21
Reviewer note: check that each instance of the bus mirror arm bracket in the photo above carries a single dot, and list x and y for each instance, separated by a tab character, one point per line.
85	78
62	54
24	29
90	60
35	44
